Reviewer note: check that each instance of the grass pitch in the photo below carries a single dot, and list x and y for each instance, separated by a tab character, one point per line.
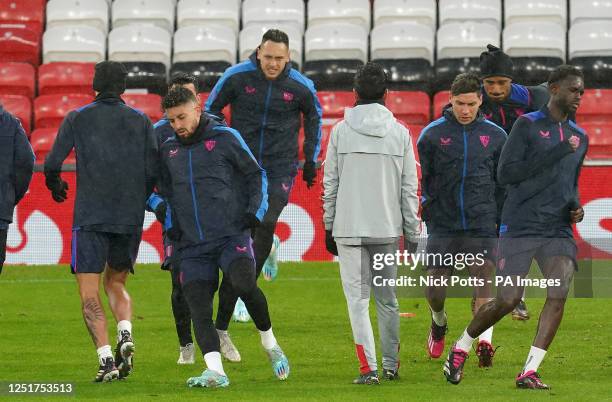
43	339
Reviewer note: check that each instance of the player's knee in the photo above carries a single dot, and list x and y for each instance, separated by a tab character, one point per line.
242	276
508	302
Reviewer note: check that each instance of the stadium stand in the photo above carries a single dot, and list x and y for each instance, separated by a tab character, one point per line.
17	43
17	79
149	104
355	12
92	13
65	78
157	12
50	110
74	44
28	14
422	44
420	11
21	107
209	13
484	11
287	12
535	11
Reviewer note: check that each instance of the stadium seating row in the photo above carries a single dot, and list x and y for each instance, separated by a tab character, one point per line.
232	13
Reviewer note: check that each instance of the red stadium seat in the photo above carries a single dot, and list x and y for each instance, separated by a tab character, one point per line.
65	78
30	13
415	131
227	111
439	101
50	110
325	135
150	104
17	79
334	103
596	106
20	106
600	140
411	107
42	141
17	43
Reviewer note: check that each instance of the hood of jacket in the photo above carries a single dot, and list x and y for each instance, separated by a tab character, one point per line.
371	119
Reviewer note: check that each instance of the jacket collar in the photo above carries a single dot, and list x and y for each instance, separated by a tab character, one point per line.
109	97
283	74
203	131
368	101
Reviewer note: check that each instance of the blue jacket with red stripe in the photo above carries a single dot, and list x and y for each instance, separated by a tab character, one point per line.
521	100
267	113
541	173
460	191
211	183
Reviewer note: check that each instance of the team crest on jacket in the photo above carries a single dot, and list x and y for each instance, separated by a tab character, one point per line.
445	140
172	153
249	90
484	140
545	134
210	144
287	96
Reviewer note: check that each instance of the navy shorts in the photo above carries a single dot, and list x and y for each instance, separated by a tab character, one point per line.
280	187
205	265
457	244
92	250
517	253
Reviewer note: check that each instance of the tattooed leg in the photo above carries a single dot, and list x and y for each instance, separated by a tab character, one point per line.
93	313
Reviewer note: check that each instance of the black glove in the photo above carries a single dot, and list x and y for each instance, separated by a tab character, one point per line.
330	243
409	246
250	221
58	188
174	233
309	173
160	212
173	230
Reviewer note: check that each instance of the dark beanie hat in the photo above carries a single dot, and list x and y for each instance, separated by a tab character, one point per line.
494	62
110	77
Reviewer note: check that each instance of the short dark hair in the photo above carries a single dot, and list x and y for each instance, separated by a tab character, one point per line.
562	72
181	79
275	35
370	81
465	83
177	96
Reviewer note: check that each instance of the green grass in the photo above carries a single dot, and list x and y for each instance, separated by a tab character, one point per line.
43	339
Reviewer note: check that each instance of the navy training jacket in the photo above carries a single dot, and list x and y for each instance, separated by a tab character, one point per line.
16	165
117	163
541	173
460	191
211	184
267	113
522	100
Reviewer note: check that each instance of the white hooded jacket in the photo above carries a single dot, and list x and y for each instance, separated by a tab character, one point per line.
370	181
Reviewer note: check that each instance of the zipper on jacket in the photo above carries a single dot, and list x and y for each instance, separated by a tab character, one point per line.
461	188
503	116
264	120
561	137
193	198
